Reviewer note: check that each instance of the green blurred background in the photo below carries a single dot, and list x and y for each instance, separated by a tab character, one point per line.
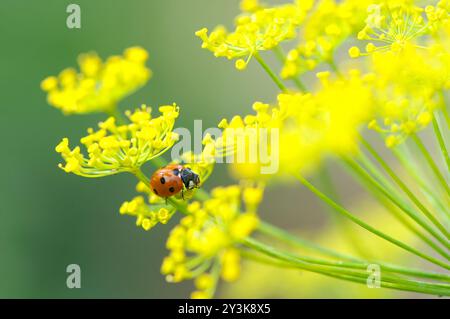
50	219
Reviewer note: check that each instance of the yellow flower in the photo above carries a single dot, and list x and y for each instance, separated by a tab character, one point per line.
311	126
261	30
99	85
408	90
393	26
251	5
148	215
207	236
121	148
327	26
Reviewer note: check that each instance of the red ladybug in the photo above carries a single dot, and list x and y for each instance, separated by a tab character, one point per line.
172	179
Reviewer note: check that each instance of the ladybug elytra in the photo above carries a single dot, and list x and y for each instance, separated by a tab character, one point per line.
172	179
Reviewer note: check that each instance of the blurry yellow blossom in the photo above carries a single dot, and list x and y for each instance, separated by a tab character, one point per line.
261	30
251	5
203	245
121	148
99	85
311	126
409	86
327	26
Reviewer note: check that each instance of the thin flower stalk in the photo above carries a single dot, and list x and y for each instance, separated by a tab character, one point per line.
406	190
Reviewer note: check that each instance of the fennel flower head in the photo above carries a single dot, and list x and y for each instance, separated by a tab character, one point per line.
99	85
115	148
260	30
202	246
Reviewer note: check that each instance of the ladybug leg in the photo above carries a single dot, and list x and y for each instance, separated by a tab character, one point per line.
182	194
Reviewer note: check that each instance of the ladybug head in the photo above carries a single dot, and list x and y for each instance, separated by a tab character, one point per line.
190	179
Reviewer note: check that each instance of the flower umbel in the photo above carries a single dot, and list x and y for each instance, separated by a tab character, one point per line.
121	148
393	26
147	215
99	85
260	31
203	245
328	25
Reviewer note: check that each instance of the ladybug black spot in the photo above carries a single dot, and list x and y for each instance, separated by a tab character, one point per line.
171	189
162	180
155	191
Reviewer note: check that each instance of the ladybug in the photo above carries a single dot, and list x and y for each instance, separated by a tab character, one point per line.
172	179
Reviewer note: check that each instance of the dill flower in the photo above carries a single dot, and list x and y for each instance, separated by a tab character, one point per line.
392	26
147	215
99	85
203	245
408	90
325	28
261	30
117	148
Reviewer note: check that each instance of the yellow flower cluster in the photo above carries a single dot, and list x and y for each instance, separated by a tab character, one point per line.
261	30
203	245
121	148
325	28
311	126
411	70
409	86
392	26
99	85
147	215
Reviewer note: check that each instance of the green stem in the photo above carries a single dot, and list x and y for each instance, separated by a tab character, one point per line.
341	222
405	188
335	68
431	163
408	161
391	282
270	73
366	226
391	195
114	112
441	141
351	261
298	83
270	230
141	176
